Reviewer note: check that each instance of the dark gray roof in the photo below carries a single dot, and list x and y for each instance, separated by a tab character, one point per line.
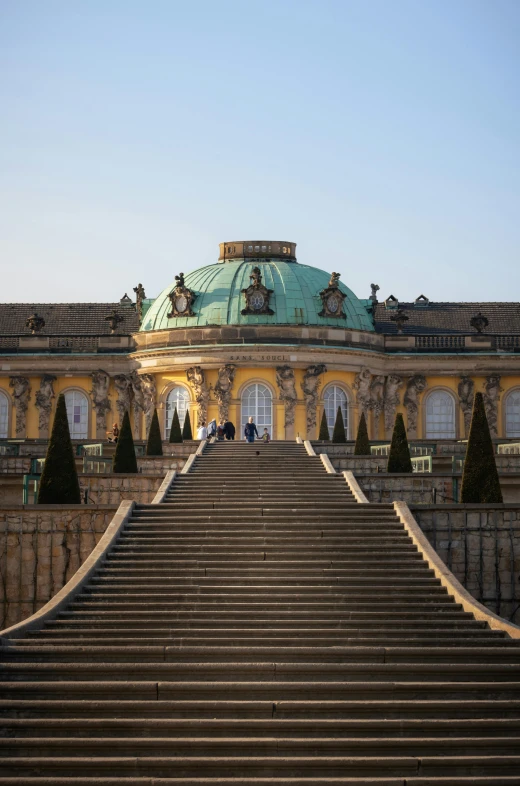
439	318
67	319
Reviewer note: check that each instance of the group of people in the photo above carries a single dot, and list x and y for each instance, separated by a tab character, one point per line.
226	430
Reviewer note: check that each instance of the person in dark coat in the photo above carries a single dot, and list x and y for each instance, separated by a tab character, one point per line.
229	430
250	430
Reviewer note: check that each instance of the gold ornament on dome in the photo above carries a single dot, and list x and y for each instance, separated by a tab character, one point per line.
181	299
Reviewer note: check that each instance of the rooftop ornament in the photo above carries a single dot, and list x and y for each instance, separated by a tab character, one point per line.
35	323
375	289
140	295
114	319
400	319
332	299
480	322
181	298
257	295
126	301
391	302
422	300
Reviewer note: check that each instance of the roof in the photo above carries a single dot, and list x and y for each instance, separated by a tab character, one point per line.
295	299
67	319
440	318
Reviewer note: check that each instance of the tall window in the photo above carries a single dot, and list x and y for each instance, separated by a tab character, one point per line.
4	415
257	401
76	403
180	398
513	414
440	415
335	397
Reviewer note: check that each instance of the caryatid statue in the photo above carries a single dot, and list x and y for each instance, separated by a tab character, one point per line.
197	380
43	402
21	397
287	387
222	389
311	386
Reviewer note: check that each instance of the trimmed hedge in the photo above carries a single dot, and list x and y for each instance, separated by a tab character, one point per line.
175	430
362	446
124	457
324	429
399	458
154	443
186	429
339	428
480	481
59	483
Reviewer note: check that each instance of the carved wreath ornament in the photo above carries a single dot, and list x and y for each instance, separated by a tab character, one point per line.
332	299
181	299
256	295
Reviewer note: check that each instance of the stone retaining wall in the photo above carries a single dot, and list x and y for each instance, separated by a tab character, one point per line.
41	547
410	488
480	544
113	489
160	465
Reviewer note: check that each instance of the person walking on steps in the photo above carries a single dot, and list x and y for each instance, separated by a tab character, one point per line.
229	430
250	430
202	431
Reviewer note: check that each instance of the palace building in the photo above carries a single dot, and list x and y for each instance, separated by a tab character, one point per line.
257	333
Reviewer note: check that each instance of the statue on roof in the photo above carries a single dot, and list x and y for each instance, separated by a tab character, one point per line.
140	295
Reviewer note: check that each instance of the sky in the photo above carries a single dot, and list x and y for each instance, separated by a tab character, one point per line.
382	136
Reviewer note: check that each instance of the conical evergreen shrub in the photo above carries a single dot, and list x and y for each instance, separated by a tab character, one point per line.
324	429
338	434
154	443
362	446
59	480
124	457
480	481
175	430
399	458
186	429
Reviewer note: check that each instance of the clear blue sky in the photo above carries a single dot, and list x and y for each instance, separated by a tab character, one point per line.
382	136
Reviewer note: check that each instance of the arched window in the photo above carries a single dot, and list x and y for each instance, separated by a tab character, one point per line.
440	415
180	398
257	401
513	414
4	415
76	403
334	397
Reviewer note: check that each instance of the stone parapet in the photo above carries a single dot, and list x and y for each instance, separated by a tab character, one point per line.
113	489
41	547
480	544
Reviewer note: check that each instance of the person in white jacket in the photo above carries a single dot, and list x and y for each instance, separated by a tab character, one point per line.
202	431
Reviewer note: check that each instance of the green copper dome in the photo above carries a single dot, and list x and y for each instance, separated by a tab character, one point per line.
219	299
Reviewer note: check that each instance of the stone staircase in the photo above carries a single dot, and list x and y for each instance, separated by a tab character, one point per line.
261	627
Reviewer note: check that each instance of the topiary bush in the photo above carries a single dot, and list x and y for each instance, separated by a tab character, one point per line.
480	481
154	443
399	458
186	429
362	446
338	434
59	483
124	457
175	430
324	429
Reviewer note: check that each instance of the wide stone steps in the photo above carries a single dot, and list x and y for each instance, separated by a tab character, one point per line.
261	628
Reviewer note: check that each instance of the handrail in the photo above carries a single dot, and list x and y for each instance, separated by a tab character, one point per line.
81	577
308	447
325	460
354	487
165	486
189	463
446	577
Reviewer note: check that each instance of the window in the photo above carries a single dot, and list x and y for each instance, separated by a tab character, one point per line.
440	415
335	397
257	401
76	403
180	398
4	415
513	414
